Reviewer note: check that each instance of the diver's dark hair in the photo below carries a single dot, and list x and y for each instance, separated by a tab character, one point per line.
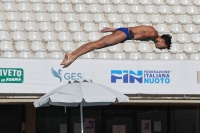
167	39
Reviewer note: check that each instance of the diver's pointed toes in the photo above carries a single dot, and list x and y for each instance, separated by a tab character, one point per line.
64	66
62	63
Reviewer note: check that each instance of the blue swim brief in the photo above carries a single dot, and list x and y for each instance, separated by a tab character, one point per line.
125	30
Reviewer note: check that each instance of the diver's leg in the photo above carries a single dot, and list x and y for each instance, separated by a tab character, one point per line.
112	39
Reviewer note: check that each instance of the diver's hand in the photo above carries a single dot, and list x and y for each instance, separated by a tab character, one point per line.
107	29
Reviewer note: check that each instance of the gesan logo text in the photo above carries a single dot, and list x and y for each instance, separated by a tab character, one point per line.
141	76
67	76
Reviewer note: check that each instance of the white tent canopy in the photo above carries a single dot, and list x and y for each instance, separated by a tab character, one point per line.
85	94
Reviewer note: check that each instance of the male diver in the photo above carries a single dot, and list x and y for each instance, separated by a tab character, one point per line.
119	35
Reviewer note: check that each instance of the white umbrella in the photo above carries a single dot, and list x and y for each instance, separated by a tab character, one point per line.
85	94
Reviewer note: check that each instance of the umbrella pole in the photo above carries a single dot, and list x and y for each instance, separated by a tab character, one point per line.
81	111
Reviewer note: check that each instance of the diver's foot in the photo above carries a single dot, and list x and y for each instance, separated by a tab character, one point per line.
67	60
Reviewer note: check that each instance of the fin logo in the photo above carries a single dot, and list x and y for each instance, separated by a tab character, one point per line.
128	76
67	76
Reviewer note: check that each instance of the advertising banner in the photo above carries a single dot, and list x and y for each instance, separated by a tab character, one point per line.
126	76
146	126
89	126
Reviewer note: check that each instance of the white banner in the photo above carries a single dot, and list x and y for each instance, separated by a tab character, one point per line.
126	76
